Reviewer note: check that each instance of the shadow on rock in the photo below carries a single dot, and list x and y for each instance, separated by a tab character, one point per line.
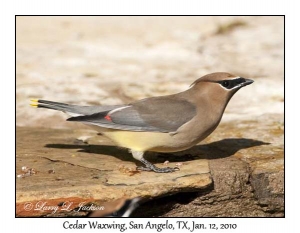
120	153
215	150
226	147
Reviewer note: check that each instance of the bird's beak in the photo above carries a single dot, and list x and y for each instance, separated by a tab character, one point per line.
247	82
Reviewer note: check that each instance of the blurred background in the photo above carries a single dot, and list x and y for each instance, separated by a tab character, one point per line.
115	60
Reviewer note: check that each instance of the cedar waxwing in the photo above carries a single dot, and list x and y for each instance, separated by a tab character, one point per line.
161	124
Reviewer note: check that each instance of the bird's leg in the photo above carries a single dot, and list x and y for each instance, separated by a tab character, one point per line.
149	166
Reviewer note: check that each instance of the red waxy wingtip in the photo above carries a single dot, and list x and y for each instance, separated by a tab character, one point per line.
107	117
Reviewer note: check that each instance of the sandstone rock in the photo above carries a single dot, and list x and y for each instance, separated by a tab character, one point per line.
92	173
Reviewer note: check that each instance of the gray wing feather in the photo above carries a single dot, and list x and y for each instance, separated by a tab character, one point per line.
100	120
166	113
157	114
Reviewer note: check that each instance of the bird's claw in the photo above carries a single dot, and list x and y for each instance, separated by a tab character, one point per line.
158	170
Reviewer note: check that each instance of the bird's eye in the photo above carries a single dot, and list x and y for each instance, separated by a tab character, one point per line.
225	83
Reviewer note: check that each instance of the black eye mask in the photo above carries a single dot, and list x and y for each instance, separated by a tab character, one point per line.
231	83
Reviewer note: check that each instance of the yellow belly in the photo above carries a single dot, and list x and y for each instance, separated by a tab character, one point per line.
146	141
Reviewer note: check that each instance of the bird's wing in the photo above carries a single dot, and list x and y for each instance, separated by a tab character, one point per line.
158	114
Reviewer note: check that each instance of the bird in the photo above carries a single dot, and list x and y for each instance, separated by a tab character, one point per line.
162	124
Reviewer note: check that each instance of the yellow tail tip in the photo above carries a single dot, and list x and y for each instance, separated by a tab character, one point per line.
34	100
34	105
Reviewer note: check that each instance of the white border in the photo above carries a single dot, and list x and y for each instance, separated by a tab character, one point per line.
10	8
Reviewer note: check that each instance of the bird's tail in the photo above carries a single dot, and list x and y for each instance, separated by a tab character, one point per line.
50	105
72	110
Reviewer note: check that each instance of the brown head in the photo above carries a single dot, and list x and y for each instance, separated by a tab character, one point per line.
220	84
217	88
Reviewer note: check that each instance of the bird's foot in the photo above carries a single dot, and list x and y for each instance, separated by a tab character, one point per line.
158	170
150	167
